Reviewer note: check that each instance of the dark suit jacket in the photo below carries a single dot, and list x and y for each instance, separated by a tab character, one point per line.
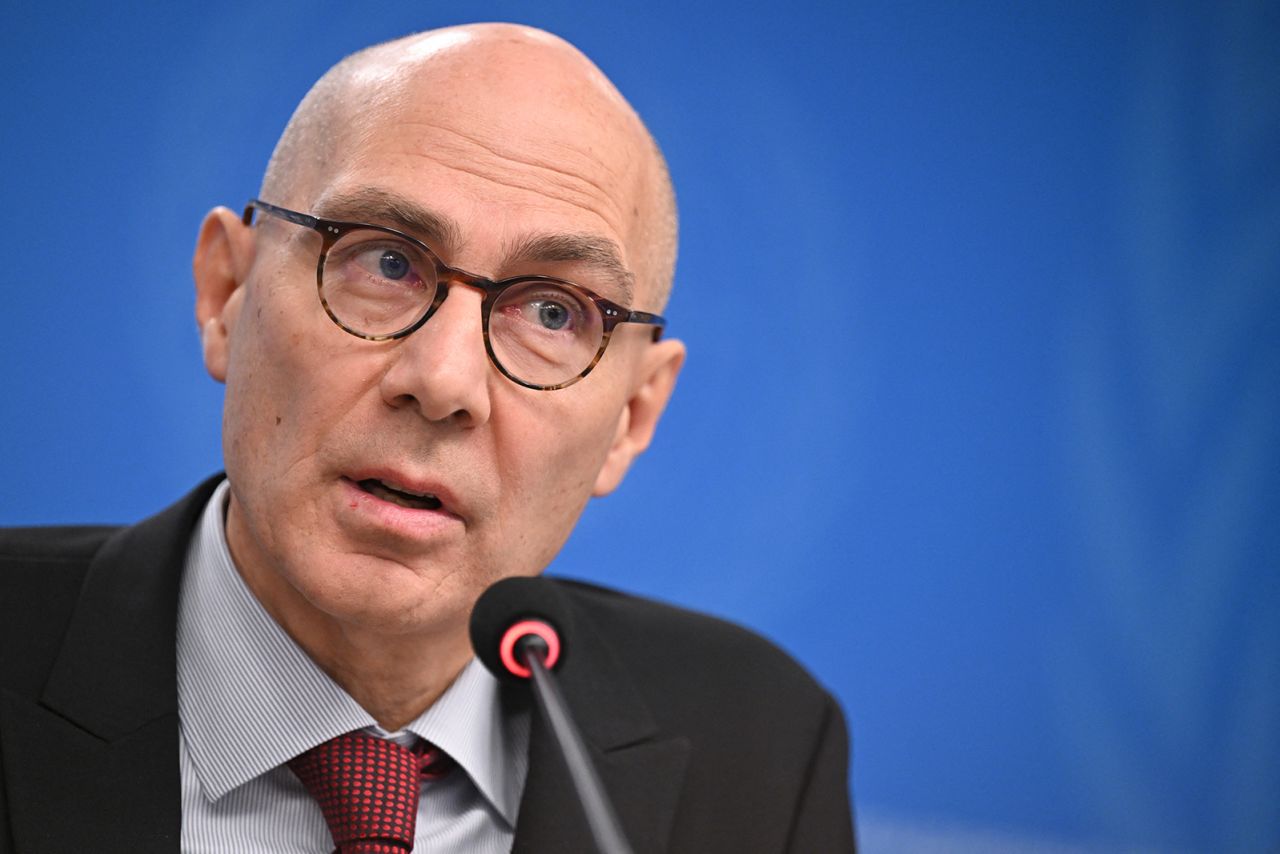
708	738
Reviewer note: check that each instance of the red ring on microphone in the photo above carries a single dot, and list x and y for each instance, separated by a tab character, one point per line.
524	628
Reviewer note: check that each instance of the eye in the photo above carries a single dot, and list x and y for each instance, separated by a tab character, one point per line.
550	314
384	262
393	265
364	259
542	312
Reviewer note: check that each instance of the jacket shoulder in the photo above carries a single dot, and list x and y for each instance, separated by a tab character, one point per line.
41	573
675	651
52	544
764	739
37	563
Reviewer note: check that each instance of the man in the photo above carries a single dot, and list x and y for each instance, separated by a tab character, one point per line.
398	435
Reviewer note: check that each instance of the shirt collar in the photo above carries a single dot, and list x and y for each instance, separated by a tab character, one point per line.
468	724
250	699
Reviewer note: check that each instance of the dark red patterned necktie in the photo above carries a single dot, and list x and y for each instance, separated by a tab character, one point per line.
367	788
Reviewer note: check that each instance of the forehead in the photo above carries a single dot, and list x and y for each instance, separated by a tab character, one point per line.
506	148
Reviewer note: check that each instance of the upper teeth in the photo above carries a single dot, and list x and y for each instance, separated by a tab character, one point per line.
398	488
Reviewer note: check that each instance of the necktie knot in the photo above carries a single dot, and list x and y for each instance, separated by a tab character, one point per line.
367	788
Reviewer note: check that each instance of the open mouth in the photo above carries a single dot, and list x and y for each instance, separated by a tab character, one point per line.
399	495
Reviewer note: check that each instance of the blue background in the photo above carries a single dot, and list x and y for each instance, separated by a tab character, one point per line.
980	418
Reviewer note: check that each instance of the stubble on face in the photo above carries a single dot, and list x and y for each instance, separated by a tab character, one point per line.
505	133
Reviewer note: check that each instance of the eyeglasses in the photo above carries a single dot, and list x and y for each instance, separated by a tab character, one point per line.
381	284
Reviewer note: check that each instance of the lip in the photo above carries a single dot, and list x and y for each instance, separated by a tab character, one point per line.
448	501
411	522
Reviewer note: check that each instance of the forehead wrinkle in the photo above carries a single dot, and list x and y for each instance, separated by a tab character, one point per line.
590	249
513	157
578	189
376	206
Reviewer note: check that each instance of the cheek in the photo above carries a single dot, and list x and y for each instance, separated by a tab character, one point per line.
275	379
255	386
550	460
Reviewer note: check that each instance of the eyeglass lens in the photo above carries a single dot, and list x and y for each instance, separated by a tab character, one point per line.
377	284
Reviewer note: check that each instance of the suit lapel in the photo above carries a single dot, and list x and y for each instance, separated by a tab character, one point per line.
100	749
72	791
642	769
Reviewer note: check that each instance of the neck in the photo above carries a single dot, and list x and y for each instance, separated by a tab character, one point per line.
395	679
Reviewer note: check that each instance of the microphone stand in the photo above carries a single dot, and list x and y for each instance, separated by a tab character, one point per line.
601	818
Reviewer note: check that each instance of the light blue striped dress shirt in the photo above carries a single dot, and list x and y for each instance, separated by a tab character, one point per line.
250	699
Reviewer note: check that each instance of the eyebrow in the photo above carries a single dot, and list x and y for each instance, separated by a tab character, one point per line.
381	207
589	249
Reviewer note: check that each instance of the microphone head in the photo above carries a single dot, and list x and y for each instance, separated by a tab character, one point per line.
513	608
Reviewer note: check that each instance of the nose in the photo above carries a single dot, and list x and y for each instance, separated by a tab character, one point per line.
442	369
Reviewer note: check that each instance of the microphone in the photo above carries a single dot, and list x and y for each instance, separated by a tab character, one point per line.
520	630
515	609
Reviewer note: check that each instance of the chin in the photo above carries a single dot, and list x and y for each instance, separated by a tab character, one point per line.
386	596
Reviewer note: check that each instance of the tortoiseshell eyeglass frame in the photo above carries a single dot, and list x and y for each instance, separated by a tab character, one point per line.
611	314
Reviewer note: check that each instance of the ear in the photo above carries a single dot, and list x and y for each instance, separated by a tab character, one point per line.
224	255
655	379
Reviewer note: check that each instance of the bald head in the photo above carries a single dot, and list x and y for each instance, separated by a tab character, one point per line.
529	97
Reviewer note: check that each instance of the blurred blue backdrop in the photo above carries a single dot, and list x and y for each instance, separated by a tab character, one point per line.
984	436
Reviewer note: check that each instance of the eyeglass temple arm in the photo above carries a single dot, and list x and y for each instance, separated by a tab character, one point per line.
292	216
657	321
